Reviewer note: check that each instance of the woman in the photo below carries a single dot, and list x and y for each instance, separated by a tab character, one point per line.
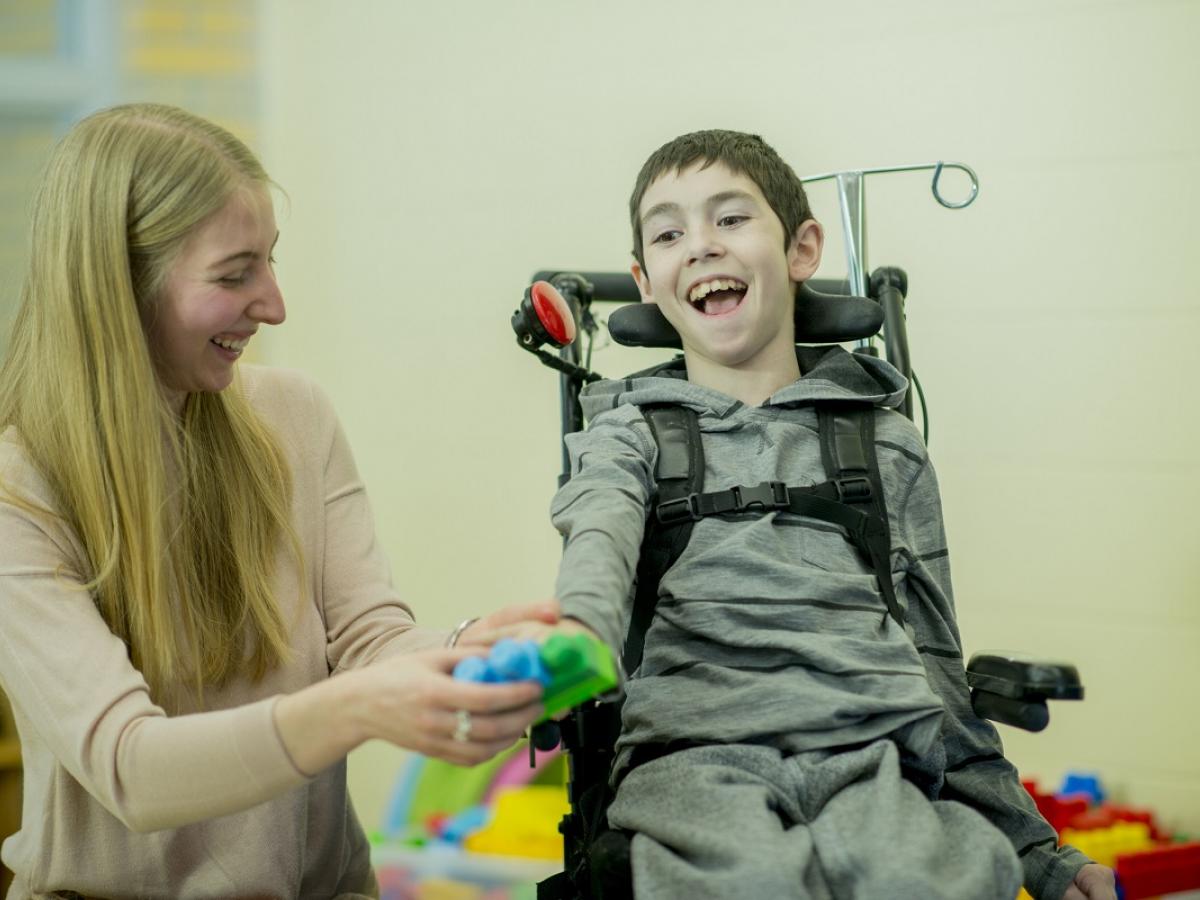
187	553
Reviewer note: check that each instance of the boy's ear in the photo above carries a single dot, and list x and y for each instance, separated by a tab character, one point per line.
804	252
643	282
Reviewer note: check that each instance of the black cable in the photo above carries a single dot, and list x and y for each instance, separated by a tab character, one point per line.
924	409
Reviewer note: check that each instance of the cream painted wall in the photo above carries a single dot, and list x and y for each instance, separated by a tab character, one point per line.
437	154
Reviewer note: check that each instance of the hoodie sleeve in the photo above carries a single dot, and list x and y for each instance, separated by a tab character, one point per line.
976	771
601	513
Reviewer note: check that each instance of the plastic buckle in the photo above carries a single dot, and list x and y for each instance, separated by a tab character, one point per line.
672	511
767	495
853	490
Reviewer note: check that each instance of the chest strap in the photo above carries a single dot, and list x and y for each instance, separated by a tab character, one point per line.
852	499
845	502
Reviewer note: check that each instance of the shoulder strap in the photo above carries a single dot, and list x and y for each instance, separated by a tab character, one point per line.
678	474
848	452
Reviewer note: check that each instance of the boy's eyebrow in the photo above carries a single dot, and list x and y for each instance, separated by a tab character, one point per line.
714	200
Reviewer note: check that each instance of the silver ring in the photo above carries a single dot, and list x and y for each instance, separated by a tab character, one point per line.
452	640
462	731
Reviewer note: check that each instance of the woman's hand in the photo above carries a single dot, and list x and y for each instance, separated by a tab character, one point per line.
410	700
1093	882
413	701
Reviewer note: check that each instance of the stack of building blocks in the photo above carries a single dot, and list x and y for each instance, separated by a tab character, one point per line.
571	668
1128	839
1105	844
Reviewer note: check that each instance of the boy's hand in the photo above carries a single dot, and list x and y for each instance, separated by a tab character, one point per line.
541	632
510	622
1093	882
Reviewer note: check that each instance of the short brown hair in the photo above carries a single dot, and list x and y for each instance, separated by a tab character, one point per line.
743	154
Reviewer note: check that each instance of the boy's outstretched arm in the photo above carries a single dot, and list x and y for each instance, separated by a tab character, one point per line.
601	512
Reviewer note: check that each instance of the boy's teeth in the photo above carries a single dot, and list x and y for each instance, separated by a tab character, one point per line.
702	290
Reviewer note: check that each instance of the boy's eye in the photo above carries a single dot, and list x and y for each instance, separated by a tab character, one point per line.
665	237
730	220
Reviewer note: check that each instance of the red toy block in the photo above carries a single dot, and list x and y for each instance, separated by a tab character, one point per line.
1108	814
1058	811
1174	867
1091	819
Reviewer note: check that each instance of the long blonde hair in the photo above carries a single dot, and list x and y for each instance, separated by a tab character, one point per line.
182	516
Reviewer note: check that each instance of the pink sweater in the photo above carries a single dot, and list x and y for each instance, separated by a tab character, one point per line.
123	798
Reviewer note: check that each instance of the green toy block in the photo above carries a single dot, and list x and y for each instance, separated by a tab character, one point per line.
580	667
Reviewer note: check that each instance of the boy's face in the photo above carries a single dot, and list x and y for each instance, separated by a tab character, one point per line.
717	266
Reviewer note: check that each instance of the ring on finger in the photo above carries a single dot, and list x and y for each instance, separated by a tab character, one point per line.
462	728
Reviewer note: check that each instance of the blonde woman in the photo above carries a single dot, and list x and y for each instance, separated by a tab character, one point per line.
187	554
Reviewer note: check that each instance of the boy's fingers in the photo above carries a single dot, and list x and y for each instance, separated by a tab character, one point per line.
542	611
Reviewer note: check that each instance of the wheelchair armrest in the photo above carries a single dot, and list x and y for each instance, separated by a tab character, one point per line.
1014	689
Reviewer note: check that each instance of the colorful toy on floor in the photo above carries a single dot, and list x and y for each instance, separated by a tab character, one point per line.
1104	845
1129	840
571	668
1086	783
1164	870
523	823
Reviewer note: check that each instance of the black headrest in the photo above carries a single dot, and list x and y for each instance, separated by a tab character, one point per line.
820	319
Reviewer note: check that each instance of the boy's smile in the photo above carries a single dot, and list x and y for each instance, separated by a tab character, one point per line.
717	266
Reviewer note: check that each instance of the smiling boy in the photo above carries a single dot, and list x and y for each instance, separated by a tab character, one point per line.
783	736
716	260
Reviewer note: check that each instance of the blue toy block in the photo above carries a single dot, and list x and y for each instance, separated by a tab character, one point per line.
518	661
571	669
1086	783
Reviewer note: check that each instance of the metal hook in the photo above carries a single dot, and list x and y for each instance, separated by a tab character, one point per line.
937	175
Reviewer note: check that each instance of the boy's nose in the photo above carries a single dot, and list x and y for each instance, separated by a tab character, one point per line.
703	245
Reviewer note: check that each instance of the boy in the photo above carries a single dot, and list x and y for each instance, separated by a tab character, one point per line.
783	736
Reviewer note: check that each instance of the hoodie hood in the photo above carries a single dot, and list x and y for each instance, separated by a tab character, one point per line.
829	373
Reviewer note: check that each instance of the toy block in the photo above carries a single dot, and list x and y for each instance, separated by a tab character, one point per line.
1097	818
1086	783
1058	811
1162	870
1104	845
571	668
1145	816
580	667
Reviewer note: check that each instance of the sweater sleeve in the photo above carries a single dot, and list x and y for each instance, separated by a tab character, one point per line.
601	512
74	688
365	617
976	771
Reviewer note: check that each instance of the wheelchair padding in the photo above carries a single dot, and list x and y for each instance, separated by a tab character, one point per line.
820	319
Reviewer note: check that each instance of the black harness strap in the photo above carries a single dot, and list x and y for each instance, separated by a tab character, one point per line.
852	498
678	474
848	453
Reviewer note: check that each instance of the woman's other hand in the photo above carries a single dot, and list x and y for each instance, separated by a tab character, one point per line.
410	700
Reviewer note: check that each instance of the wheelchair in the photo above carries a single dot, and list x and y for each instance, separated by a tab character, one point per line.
562	304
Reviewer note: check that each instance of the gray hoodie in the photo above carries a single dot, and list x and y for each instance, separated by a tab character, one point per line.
770	628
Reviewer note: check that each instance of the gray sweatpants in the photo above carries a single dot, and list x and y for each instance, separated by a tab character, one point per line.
742	821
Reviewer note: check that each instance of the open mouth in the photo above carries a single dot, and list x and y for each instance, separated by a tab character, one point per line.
717	296
231	346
